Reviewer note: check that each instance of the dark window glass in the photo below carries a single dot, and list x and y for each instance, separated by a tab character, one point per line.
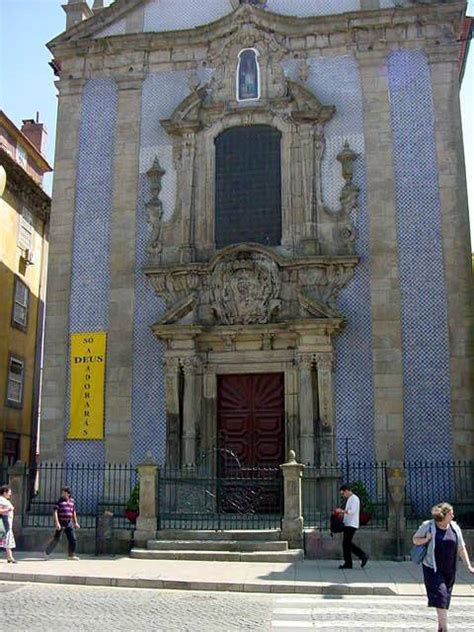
20	304
248	186
15	382
11	449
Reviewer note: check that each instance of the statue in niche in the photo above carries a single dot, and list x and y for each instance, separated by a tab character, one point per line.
155	207
248	75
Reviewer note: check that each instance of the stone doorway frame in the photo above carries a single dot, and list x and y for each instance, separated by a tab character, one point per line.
302	351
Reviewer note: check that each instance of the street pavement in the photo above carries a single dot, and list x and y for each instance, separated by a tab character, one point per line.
29	607
307	576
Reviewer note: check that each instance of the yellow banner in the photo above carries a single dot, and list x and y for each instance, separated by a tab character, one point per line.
87	385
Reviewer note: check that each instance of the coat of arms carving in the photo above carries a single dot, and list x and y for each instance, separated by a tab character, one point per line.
245	288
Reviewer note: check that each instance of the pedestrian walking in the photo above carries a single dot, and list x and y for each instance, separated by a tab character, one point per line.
445	542
351	513
65	519
6	513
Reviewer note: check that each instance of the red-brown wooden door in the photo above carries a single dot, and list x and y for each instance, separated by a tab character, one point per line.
250	412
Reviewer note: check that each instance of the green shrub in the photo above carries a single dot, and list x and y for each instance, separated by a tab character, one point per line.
133	503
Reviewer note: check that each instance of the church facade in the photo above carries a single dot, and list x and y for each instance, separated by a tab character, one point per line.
262	205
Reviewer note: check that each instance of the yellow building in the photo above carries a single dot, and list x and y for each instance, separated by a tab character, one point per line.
24	226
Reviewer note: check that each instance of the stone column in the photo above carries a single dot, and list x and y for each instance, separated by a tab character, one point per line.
148	515
59	270
305	363
173	448
209	414
327	417
456	244
188	153
396	506
291	407
292	523
384	260
190	411
118	400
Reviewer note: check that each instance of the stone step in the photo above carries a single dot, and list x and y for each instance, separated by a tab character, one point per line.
266	535
217	545
293	555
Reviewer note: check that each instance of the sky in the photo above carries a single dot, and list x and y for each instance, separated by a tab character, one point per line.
27	82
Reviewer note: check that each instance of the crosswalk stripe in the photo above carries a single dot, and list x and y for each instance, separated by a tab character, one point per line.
346	625
324	609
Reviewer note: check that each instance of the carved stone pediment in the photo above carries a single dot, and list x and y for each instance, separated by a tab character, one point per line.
251	285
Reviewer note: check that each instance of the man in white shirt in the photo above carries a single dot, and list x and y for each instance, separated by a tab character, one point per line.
351	524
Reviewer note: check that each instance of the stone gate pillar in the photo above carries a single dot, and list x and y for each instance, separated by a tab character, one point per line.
292	523
148	513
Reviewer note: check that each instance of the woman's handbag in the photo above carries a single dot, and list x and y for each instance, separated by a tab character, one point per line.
418	553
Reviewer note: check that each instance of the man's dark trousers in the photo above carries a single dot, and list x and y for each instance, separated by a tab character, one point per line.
349	547
71	539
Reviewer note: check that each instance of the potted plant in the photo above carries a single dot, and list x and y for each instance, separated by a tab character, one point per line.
366	506
133	505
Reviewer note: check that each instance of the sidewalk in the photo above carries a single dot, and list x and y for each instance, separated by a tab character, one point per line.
309	576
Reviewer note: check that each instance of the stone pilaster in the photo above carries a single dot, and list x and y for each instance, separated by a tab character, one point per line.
384	270
292	523
327	417
305	363
118	403
59	271
456	245
190	410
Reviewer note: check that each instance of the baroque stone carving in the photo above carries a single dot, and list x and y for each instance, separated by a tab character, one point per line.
155	207
324	283
349	199
245	288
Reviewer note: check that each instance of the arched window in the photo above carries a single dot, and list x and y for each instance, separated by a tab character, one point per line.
248	186
248	75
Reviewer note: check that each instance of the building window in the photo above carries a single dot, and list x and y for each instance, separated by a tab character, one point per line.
21	156
11	448
26	231
20	304
16	373
248	186
248	75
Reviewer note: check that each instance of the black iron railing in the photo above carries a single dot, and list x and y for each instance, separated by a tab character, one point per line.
96	488
241	498
320	490
431	482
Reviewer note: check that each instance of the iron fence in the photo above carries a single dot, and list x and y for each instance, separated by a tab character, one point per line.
96	488
320	490
242	498
430	482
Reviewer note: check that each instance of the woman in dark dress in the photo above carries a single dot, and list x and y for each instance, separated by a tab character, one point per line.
445	542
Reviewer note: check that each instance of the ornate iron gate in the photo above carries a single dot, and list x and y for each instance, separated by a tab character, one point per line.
244	498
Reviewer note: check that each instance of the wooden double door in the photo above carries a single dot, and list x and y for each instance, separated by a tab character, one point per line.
251	412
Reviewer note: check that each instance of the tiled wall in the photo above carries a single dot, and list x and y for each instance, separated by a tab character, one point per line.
336	81
425	335
162	93
91	241
305	8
